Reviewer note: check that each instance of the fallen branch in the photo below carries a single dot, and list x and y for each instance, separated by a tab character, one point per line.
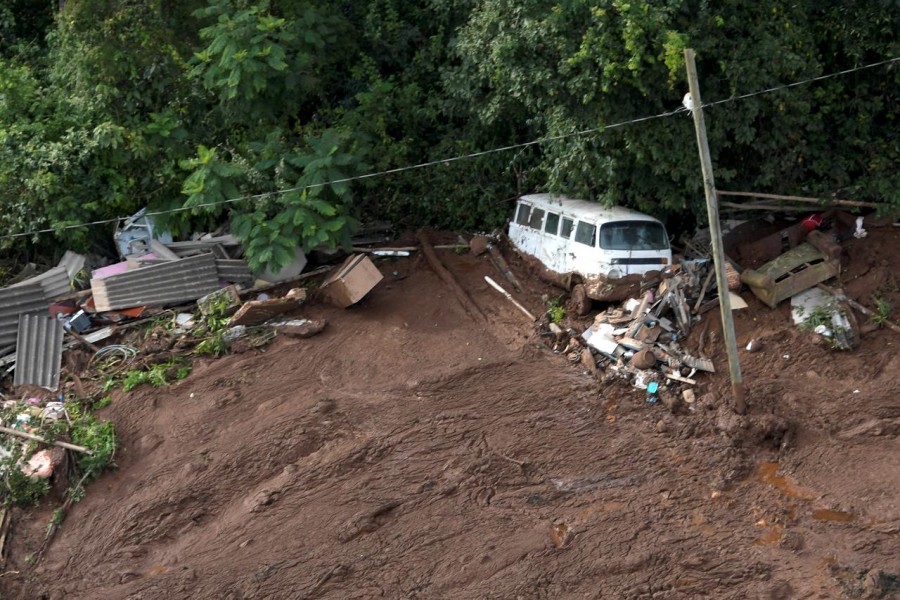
37	438
502	266
438	267
5	519
705	287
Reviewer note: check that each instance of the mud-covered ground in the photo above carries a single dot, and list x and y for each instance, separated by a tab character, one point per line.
414	451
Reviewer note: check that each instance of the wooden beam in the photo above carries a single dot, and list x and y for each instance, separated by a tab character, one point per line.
821	201
715	230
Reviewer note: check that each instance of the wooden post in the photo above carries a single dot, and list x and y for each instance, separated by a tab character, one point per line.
712	210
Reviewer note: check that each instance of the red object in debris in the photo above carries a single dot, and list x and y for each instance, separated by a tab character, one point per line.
812	222
62	308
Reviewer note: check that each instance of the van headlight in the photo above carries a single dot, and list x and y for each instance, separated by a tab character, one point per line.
613	273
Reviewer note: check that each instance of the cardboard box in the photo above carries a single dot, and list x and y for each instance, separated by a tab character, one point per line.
352	280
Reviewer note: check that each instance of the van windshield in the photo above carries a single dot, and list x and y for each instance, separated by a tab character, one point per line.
633	235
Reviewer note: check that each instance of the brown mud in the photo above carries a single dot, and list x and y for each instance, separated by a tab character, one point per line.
412	451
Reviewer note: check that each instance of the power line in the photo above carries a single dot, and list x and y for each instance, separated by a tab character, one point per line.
432	163
453	159
804	82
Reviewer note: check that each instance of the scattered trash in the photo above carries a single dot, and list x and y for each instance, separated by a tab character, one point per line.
820	312
136	233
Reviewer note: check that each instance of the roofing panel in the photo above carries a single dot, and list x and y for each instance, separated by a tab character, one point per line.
234	270
55	282
158	285
72	262
15	301
38	351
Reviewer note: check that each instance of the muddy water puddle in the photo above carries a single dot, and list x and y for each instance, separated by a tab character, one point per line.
767	473
833	516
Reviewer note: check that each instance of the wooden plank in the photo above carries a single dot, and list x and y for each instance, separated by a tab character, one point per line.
807	199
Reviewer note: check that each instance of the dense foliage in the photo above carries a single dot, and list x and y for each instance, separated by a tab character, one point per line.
108	106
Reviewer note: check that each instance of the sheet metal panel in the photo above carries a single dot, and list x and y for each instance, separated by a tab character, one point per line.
15	301
38	351
158	285
234	270
55	282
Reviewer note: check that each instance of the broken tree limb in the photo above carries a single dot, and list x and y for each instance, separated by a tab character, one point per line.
705	287
37	438
509	297
438	267
502	266
839	295
4	530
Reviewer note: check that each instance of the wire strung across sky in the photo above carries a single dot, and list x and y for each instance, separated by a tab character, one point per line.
452	159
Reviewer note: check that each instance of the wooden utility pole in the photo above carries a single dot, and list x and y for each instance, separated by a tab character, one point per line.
712	210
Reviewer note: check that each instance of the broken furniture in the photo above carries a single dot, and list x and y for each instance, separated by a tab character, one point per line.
814	261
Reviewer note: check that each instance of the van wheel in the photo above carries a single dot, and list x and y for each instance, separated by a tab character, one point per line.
579	303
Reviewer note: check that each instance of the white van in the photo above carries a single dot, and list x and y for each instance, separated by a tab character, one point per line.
576	236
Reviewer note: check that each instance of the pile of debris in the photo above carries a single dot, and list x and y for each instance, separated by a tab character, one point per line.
642	340
42	315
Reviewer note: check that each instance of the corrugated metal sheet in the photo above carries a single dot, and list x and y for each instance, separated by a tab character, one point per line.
15	301
72	262
54	282
158	285
38	351
234	270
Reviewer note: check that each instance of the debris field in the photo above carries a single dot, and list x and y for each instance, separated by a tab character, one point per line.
432	442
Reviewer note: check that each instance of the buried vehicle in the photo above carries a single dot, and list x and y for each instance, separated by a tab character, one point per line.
607	252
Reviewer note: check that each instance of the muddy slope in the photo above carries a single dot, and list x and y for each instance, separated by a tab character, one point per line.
412	450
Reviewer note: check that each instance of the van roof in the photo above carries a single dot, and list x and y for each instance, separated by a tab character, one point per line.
583	209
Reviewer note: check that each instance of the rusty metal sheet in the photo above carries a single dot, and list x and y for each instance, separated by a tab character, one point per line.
38	351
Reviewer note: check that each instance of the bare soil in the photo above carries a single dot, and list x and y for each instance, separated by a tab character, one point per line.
414	450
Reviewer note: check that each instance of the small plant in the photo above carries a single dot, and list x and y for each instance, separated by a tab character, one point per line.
56	520
157	375
213	345
832	324
102	403
22	490
819	316
882	311
555	310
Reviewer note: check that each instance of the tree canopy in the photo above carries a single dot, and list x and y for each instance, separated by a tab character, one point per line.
263	113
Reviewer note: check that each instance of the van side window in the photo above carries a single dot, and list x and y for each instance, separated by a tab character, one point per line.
586	233
567	226
536	219
552	224
522	215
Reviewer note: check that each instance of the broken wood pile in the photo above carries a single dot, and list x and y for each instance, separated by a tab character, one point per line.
642	340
